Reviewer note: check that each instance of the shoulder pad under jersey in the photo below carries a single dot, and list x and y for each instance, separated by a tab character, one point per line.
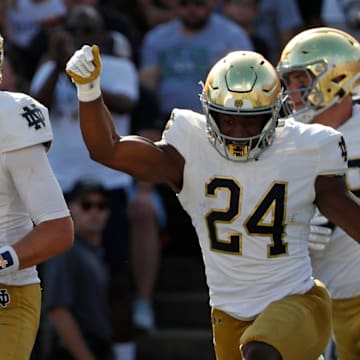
328	144
182	124
23	122
184	129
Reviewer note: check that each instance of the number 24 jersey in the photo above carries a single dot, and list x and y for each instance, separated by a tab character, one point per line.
252	218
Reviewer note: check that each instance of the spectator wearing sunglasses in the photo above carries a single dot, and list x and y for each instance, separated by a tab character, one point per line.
76	283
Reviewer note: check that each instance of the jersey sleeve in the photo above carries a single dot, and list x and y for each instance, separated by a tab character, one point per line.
332	154
36	183
24	122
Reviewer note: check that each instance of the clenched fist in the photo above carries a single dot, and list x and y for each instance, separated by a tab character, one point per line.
85	65
84	68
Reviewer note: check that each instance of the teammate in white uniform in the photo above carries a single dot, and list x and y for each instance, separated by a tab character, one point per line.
249	182
34	220
320	67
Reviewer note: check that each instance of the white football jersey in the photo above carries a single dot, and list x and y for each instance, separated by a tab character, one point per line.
23	122
252	218
338	266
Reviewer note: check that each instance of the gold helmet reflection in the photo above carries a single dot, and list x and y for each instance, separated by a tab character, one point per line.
331	59
242	83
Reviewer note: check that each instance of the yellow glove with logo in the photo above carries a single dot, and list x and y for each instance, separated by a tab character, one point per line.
84	69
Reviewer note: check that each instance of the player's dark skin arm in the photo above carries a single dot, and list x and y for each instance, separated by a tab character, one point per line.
135	155
338	204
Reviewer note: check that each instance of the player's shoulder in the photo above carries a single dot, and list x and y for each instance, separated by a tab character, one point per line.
304	132
187	120
314	142
8	98
16	100
24	121
184	125
189	116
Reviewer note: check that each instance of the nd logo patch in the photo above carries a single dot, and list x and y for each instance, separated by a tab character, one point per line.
4	298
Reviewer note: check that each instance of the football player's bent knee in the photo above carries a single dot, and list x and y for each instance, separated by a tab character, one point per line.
259	351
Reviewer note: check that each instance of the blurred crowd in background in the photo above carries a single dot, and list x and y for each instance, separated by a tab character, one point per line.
155	53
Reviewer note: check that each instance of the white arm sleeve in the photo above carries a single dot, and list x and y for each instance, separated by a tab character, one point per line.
36	183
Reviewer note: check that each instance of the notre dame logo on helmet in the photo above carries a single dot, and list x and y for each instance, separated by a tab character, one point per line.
34	116
4	298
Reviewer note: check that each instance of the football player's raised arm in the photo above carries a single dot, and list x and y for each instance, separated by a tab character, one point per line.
134	155
338	204
98	131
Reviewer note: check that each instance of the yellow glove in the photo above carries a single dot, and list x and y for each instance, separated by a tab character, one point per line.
85	65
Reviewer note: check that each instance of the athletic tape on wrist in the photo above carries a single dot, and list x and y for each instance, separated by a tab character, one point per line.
9	261
89	92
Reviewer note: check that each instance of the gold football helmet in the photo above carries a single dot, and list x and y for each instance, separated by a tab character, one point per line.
330	58
242	83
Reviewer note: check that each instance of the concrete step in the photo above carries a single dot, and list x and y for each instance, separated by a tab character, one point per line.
175	344
186	310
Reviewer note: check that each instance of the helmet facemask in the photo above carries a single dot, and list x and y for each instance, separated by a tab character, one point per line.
305	100
244	148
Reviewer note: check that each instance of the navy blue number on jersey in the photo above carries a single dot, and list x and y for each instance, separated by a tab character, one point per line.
272	205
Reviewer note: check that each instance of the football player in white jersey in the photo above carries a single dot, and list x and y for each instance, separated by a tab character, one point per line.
320	67
35	223
250	182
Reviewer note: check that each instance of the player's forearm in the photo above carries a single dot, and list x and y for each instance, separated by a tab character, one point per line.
98	130
44	241
340	205
353	216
